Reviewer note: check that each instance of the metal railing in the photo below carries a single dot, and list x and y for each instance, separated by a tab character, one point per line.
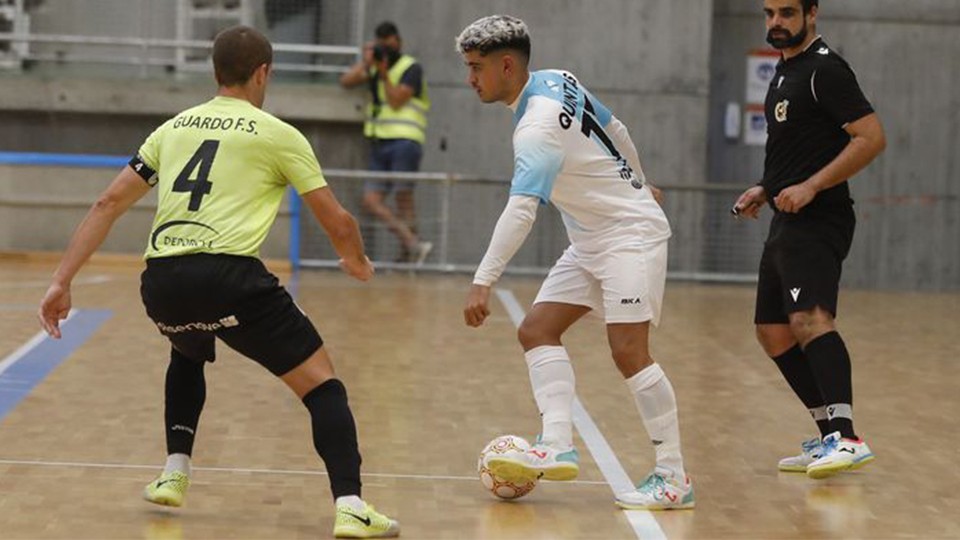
147	46
174	36
457	213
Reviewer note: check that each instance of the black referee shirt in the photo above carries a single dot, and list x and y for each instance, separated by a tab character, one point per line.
810	100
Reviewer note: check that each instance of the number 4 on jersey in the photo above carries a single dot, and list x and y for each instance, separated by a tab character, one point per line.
199	186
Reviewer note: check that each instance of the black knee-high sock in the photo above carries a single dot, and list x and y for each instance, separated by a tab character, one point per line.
831	366
335	436
186	391
796	369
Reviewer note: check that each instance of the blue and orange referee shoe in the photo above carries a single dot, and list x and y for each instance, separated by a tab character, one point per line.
840	454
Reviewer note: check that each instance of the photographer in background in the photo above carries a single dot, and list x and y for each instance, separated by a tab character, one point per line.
396	126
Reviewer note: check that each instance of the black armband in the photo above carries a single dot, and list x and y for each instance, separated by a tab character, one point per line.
140	167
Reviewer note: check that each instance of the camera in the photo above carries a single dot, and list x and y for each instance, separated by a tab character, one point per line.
381	52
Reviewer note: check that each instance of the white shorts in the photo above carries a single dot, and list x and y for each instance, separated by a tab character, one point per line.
624	284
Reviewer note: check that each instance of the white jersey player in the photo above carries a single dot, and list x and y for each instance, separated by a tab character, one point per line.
571	151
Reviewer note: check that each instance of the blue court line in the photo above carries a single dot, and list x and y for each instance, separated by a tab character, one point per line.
294	228
62	160
22	370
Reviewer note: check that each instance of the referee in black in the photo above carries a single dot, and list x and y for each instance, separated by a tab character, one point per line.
821	131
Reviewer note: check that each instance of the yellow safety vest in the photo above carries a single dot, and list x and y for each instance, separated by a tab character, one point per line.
407	122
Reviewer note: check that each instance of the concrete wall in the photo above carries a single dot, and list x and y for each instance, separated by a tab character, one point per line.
906	58
43	205
666	68
659	92
624	51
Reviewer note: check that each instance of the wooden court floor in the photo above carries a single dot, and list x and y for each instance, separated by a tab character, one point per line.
428	393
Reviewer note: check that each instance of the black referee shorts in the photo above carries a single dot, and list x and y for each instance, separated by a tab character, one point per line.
801	263
194	298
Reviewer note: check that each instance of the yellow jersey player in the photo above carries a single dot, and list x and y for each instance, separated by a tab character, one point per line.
220	170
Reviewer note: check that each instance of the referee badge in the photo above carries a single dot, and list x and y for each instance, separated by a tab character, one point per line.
781	110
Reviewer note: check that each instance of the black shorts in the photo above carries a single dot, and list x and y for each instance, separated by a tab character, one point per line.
194	298
801	263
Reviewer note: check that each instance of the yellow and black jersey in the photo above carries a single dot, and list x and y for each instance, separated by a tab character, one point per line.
221	168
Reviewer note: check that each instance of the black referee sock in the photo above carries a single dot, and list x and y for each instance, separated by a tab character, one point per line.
185	393
335	436
831	366
796	369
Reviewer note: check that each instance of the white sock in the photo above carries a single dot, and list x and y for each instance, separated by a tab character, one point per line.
553	383
353	501
657	404
177	462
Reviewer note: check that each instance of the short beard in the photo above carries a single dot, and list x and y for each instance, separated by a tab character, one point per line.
788	42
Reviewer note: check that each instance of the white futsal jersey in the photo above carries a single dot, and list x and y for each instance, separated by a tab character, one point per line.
570	150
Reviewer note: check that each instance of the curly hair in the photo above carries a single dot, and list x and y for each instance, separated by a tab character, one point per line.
495	33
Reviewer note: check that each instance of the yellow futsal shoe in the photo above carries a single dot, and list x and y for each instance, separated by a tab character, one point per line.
367	523
168	489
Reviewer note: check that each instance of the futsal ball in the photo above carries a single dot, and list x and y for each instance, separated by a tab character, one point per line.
501	488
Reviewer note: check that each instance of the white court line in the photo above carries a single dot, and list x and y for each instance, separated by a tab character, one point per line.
18	307
92	280
643	523
25	349
75	464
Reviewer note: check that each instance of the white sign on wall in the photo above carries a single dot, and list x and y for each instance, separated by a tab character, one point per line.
761	67
754	126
